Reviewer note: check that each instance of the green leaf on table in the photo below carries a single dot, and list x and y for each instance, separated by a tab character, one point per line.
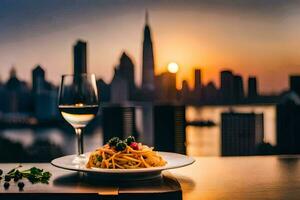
34	175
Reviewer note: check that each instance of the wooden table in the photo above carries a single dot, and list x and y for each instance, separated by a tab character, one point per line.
265	177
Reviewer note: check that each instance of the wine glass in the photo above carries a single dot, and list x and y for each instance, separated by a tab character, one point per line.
78	104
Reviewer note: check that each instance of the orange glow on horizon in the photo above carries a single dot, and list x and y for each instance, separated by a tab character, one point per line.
245	44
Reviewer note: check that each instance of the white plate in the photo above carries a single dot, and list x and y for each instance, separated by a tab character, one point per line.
174	160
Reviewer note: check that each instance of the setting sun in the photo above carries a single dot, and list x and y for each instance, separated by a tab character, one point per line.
173	67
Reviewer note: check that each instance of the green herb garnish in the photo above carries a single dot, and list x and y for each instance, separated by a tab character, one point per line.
34	175
113	141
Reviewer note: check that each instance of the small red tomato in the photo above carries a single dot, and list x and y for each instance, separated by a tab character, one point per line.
134	145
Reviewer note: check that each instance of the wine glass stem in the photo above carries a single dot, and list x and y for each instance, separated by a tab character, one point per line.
79	141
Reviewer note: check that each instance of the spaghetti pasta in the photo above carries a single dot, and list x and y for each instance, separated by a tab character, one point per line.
110	157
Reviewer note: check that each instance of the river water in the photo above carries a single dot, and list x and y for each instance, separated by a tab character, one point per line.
200	141
206	141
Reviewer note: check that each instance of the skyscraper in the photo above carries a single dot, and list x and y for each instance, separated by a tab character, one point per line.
104	90
13	87
18	98
210	93
148	59
119	89
252	87
38	79
44	96
80	57
185	92
197	80
241	133
295	84
198	90
122	85
238	88
126	71
227	88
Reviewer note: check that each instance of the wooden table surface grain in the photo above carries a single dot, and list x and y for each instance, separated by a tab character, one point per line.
257	177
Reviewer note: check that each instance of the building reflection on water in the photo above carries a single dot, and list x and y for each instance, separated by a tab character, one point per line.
200	141
206	141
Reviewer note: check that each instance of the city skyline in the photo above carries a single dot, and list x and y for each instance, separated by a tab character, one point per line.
243	38
162	88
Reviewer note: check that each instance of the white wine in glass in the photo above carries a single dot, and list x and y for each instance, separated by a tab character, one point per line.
78	104
79	115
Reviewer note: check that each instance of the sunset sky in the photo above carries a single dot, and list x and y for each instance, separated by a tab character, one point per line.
250	37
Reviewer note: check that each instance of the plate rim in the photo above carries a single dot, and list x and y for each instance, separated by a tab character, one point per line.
127	171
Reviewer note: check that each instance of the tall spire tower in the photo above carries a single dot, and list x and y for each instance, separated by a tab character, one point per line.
148	58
